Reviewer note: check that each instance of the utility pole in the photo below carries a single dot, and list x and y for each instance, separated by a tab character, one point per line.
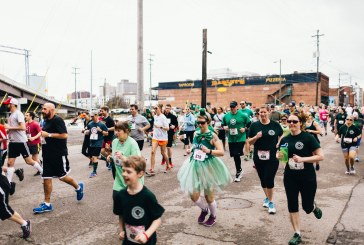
91	86
150	79
317	62
140	61
204	77
75	73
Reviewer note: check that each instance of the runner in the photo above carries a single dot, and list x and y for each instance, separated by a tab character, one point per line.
188	128
160	138
203	173
265	135
312	127
17	140
339	120
220	131
110	124
33	131
324	116
173	124
97	131
86	139
358	122
349	135
247	152
299	173
6	212
138	125
284	125
236	122
55	160
3	143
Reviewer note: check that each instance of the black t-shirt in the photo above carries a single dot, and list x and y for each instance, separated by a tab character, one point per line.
55	147
172	119
109	122
268	142
347	134
302	145
340	119
138	212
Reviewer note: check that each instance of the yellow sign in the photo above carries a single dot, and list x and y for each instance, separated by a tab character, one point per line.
222	89
275	79
227	83
181	85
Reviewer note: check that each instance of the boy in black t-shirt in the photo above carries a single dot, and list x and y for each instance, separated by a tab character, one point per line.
138	209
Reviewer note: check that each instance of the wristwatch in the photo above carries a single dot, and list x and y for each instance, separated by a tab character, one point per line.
50	135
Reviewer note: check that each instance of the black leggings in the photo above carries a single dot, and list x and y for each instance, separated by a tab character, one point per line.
267	172
300	181
189	137
237	161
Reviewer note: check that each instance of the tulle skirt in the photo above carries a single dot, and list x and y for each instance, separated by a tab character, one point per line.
205	176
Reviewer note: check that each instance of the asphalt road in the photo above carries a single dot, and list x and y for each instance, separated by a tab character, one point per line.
241	219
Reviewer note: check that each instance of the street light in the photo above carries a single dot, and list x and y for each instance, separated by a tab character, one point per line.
280	79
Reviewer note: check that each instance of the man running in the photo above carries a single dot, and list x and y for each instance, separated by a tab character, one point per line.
55	161
33	131
138	125
17	140
173	124
86	139
110	124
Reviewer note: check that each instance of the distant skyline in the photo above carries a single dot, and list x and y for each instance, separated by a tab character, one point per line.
244	36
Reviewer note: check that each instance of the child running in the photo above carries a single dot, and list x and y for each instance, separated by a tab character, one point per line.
137	207
204	173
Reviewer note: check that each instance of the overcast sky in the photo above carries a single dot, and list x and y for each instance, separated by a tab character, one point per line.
245	36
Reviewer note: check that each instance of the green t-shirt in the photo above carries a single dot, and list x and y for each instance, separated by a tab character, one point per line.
247	112
268	142
302	145
129	148
138	212
235	122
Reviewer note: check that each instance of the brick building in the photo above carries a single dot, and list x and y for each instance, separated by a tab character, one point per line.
300	87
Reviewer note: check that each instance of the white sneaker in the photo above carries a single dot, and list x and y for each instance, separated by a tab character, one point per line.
352	171
266	203
347	172
271	208
238	176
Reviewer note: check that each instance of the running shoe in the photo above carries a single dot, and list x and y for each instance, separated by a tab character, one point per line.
210	221
352	170
171	165
80	192
37	173
266	203
317	167
163	162
90	165
43	208
20	173
93	174
317	212
12	188
296	239
251	154
238	176
41	164
271	208
150	173
357	159
26	230
246	158
347	172
201	218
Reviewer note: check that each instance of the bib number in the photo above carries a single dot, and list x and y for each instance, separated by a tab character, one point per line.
94	136
29	135
233	131
295	165
168	120
341	122
199	155
348	140
132	126
263	155
217	124
133	231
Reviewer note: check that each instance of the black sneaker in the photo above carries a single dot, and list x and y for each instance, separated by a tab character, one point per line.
20	173
317	212
26	230
37	173
296	239
12	188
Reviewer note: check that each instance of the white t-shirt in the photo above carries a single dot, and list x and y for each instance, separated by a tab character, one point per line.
16	135
158	132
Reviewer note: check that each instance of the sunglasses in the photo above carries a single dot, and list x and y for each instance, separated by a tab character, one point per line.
293	121
349	119
284	119
200	122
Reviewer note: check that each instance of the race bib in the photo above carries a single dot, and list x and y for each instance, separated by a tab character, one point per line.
323	116
133	231
348	140
295	165
199	155
94	136
217	124
168	120
263	155
132	126
233	131
29	135
341	122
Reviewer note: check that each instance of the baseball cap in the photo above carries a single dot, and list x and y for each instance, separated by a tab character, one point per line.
292	103
233	104
11	100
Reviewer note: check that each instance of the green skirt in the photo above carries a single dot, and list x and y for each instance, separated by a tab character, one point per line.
203	176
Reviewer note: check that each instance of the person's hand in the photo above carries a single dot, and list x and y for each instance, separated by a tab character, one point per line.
140	130
242	130
141	238
118	154
226	127
121	235
188	151
31	139
259	134
6	126
279	155
98	129
44	134
297	158
172	127
205	149
355	139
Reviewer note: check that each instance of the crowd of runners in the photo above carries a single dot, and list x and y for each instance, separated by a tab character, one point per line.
268	134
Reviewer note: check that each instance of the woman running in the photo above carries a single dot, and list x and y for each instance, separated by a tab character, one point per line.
203	173
312	127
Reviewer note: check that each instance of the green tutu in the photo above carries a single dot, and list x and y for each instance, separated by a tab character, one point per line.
203	176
